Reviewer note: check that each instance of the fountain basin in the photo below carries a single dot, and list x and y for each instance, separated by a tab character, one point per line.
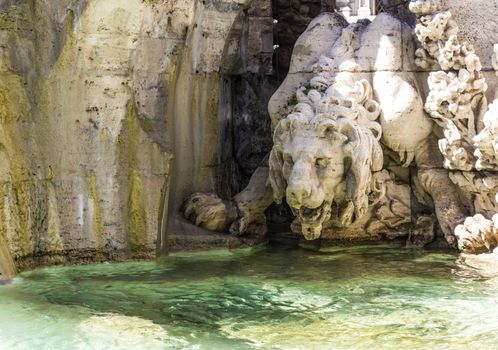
375	297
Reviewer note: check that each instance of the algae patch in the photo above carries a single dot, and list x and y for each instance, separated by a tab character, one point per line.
137	220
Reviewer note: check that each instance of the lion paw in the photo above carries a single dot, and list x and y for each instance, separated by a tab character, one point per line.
206	210
248	224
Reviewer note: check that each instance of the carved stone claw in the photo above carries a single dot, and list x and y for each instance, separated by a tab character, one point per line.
248	223
447	226
347	215
212	213
238	227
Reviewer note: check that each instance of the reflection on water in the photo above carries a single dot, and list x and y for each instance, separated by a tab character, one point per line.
380	297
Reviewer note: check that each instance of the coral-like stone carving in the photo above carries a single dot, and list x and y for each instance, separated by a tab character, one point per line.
478	234
486	142
456	101
457	91
424	7
481	187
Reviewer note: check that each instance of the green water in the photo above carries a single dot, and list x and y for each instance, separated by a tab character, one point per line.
382	297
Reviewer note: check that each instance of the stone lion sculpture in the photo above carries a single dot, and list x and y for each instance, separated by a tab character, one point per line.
353	147
326	152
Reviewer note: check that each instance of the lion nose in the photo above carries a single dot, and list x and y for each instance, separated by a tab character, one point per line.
298	194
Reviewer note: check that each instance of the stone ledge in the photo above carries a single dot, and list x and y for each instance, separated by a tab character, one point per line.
82	257
184	236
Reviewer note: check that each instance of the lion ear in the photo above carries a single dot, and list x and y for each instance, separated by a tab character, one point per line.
275	178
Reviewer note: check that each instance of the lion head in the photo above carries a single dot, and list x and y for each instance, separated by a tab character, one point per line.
326	150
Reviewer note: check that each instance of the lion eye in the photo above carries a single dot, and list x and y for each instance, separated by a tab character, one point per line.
321	162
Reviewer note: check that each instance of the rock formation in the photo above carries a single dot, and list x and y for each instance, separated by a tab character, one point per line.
96	97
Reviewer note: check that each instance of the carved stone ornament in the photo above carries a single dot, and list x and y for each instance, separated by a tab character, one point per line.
458	105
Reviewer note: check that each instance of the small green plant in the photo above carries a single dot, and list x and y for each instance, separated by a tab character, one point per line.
292	101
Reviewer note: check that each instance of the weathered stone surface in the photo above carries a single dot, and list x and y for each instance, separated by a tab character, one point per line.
457	103
478	25
95	98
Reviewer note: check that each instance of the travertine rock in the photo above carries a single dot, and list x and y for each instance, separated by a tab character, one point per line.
457	92
486	142
457	102
95	98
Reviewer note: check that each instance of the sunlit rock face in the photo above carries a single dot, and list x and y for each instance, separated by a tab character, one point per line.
95	97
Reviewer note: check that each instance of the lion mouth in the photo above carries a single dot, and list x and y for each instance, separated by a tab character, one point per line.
312	219
313	216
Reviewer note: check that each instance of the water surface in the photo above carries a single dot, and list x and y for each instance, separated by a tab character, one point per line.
381	297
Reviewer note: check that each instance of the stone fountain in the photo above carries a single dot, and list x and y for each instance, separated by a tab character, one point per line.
380	130
362	152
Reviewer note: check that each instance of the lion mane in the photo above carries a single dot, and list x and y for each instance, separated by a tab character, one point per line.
345	113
